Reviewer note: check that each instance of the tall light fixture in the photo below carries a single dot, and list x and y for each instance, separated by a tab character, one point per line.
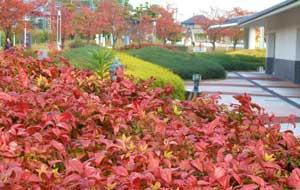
26	19
58	30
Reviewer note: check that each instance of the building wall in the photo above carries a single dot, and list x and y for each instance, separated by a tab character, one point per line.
284	62
298	45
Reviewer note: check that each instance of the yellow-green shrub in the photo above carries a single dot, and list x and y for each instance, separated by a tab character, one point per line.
249	52
144	70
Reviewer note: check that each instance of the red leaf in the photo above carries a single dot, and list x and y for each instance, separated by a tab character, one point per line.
153	163
99	157
6	97
258	180
73	179
294	179
75	165
120	170
166	175
160	128
290	140
249	187
34	129
23	77
58	146
198	164
64	126
77	93
219	173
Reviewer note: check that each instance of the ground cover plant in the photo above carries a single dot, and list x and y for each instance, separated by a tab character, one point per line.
82	58
63	128
182	63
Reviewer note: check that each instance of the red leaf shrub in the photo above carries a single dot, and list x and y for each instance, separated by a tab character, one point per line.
61	128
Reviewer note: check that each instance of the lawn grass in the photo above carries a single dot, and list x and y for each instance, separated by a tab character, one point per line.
140	69
182	63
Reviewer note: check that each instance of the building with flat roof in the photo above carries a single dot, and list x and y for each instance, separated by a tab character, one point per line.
282	30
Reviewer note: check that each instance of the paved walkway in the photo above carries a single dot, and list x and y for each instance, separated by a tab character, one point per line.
281	98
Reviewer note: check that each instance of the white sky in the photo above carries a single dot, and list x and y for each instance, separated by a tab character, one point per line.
188	8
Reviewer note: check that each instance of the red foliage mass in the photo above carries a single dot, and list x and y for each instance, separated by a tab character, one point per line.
62	128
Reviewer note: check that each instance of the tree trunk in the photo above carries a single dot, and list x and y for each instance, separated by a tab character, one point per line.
7	35
234	44
88	39
214	45
62	43
115	40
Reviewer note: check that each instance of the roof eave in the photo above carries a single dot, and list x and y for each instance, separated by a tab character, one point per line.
223	25
271	13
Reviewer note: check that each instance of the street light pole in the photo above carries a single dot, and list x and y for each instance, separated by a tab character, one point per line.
154	31
58	30
25	31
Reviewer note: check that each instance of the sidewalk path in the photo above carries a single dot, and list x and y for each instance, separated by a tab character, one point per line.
281	98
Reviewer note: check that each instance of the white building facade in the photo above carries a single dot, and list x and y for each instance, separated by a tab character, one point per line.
282	33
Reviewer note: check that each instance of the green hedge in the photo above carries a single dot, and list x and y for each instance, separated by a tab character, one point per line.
234	61
141	70
181	63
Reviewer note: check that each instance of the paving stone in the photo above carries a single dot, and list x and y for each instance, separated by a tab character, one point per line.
289	92
234	85
269	83
231	82
232	75
297	100
257	75
232	89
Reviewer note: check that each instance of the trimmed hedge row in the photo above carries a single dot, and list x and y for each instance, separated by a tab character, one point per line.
181	63
234	62
169	47
210	65
81	58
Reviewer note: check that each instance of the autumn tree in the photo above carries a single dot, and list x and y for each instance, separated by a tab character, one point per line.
86	22
142	21
13	12
236	33
167	28
113	15
214	16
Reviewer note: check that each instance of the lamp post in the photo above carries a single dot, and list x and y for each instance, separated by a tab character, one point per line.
196	79
154	31
26	19
58	30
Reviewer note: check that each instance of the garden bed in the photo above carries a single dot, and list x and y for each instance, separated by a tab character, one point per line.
82	58
63	128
